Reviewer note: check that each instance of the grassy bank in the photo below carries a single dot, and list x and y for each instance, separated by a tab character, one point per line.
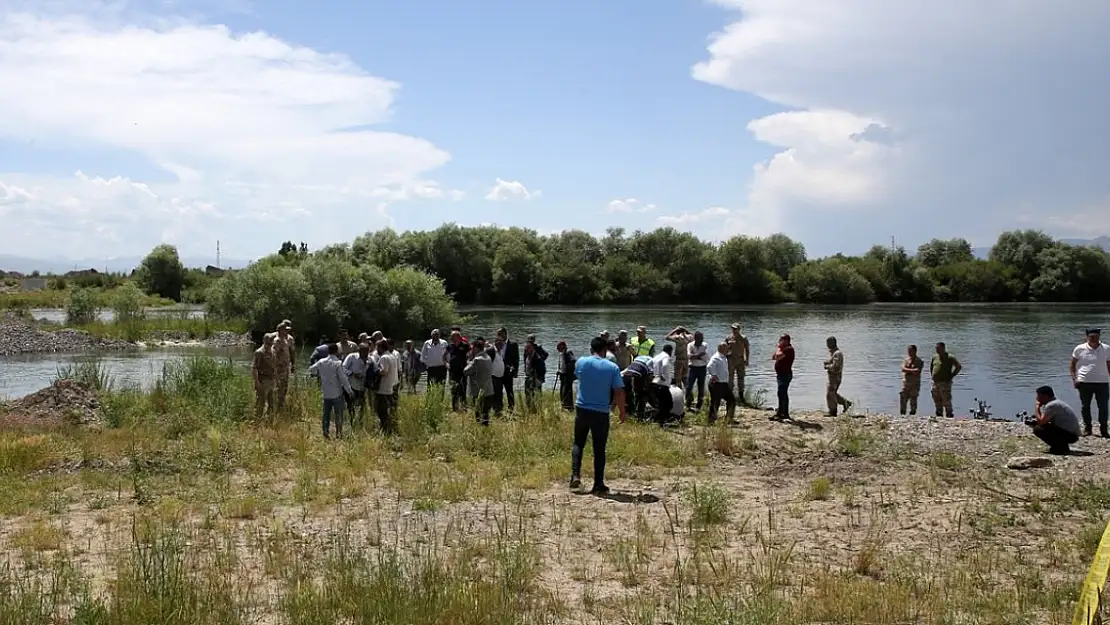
183	510
158	326
59	298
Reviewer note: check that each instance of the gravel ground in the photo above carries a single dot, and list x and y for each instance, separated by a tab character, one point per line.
17	337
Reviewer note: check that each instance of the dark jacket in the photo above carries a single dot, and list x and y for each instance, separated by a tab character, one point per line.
535	364
457	357
512	359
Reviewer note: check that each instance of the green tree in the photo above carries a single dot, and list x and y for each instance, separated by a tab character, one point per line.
127	304
1021	250
81	307
161	273
830	281
940	252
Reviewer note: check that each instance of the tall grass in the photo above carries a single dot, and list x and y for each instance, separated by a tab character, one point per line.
91	373
154	325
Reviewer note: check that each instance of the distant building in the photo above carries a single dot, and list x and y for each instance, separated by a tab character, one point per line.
33	284
214	271
81	273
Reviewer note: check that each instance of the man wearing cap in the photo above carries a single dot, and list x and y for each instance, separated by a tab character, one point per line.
681	338
623	351
285	354
739	353
637	378
263	372
1090	374
641	344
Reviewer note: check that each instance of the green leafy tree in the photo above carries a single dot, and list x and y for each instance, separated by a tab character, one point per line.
81	307
127	304
1021	250
161	273
940	252
830	281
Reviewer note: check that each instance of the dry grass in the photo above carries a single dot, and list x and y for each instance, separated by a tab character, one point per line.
185	511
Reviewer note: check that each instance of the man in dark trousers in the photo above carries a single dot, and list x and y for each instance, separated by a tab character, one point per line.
535	370
637	386
458	354
510	355
599	383
565	375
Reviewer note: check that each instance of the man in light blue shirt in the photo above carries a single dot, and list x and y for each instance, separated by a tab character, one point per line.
599	385
335	386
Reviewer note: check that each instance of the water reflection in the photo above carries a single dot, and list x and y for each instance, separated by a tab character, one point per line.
57	315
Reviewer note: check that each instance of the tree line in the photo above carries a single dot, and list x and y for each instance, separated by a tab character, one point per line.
489	265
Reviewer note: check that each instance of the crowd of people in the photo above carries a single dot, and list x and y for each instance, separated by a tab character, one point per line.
630	373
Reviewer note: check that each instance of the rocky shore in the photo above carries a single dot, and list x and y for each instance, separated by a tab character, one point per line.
20	337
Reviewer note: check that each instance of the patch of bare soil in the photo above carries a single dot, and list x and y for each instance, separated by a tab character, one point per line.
64	402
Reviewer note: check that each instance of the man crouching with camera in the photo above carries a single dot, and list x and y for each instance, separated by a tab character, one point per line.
1054	422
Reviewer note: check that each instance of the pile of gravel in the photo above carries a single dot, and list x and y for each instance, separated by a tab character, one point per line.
64	401
18	337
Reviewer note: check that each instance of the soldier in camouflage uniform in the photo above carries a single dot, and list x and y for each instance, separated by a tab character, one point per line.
738	354
911	381
263	370
834	366
285	354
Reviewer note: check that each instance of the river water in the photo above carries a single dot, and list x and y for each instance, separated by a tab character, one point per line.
1006	350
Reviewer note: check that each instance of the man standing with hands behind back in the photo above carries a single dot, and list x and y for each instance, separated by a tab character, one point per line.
1090	373
599	384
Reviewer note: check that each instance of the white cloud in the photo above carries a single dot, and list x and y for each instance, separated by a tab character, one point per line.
630	205
938	117
244	123
717	223
505	190
13	194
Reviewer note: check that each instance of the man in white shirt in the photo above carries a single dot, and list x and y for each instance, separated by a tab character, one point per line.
662	373
697	353
389	371
357	366
335	387
496	353
1090	373
719	387
434	358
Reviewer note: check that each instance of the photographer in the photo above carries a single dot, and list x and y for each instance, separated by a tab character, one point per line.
1054	422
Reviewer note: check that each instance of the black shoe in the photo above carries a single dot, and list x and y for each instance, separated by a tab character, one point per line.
830	414
1086	430
1104	432
1060	451
599	490
575	481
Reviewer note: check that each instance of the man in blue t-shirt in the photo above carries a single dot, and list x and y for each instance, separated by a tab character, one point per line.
599	385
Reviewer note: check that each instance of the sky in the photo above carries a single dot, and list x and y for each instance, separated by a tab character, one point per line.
841	123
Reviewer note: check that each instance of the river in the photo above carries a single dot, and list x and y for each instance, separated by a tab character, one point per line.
1006	350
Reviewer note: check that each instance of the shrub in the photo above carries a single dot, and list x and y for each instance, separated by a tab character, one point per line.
81	308
128	304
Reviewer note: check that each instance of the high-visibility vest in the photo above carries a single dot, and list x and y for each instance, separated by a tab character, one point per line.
642	348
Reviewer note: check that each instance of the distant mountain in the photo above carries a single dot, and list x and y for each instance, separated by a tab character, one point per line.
1103	242
123	264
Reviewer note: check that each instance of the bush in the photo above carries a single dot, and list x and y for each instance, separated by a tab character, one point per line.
161	273
128	304
81	308
325	292
830	281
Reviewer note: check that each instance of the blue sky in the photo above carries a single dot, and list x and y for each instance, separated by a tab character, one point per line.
838	122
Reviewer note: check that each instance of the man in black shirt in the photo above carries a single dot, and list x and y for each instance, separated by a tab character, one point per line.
510	355
458	354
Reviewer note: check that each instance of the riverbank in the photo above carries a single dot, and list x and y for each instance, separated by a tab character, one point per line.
19	336
831	520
